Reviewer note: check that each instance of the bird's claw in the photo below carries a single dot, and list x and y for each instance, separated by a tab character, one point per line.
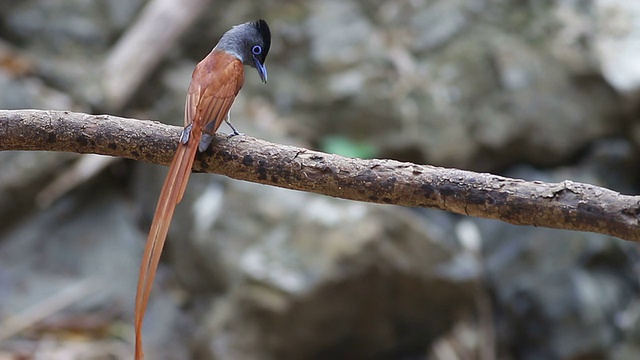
186	133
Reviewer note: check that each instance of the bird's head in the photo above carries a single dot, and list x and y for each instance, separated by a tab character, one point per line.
249	42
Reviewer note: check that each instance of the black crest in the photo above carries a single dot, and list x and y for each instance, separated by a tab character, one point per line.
263	30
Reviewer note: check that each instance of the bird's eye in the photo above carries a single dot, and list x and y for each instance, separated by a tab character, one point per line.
256	50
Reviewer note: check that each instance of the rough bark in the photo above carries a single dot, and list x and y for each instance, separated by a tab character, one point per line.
566	205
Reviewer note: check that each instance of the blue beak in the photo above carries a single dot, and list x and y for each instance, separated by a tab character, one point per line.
262	70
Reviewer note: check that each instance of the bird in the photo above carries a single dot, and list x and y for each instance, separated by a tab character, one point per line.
215	83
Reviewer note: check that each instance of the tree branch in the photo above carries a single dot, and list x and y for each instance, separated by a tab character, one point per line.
566	205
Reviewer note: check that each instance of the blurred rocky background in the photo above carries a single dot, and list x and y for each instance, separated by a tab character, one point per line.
541	90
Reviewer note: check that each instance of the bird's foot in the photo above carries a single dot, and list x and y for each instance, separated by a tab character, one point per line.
186	133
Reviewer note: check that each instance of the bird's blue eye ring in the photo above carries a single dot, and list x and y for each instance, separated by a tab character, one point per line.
256	50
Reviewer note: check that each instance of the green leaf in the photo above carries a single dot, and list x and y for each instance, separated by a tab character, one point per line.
344	146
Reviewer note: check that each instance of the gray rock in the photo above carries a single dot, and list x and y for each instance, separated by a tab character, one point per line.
616	43
481	88
307	276
67	40
91	246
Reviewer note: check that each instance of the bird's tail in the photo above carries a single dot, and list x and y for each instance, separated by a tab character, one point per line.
171	194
